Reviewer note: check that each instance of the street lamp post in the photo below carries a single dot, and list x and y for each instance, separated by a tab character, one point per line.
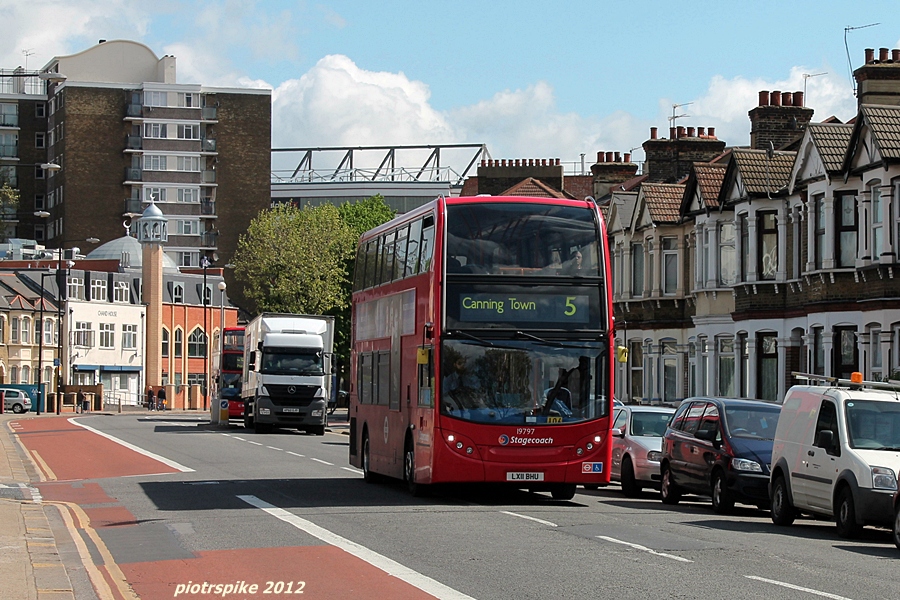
204	262
40	377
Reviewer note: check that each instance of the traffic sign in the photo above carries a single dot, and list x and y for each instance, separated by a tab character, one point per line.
223	404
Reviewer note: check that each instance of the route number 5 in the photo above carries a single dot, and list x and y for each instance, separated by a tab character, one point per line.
570	306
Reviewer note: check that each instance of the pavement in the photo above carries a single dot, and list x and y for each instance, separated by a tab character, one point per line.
39	558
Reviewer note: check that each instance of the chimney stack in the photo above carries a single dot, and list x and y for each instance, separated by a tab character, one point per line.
878	81
653	133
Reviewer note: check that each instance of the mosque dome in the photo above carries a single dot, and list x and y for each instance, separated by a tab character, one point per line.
128	250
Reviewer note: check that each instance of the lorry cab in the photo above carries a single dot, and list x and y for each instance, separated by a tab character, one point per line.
287	380
837	453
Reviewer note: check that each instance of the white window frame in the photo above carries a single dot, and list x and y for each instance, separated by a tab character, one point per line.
188	131
154	194
155	131
188	164
188	100
189	195
669	245
188	227
83	335
98	290
129	336
152	98
108	336
155	162
725	248
876	216
178	294
120	291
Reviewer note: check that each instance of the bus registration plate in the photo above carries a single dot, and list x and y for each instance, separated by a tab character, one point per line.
519	476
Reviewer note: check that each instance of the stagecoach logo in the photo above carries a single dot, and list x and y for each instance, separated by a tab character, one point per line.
505	440
292	390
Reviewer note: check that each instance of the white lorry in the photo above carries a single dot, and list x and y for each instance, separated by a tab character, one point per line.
288	372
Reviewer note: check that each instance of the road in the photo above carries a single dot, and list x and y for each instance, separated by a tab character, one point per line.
163	504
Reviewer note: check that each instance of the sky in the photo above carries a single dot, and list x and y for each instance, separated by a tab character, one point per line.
530	79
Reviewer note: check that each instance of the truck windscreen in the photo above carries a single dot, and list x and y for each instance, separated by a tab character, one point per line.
291	362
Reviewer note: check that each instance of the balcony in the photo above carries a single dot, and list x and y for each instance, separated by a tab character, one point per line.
134	110
9	120
207	207
9	150
208	239
133	206
207	145
133	174
209	176
134	142
209	113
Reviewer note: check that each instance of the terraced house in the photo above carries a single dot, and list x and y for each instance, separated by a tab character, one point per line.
782	256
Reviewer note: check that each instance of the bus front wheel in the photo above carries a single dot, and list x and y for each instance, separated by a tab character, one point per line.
368	475
409	471
564	491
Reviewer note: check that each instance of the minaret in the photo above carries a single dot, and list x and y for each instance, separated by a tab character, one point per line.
152	234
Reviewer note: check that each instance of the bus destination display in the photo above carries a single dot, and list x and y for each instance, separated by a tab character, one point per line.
517	308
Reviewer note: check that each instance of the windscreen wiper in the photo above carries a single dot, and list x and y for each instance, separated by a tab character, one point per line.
457	332
522	334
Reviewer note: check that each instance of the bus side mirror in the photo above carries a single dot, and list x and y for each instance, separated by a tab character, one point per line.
622	354
422	356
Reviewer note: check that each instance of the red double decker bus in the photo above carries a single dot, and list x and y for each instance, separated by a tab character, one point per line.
228	368
483	345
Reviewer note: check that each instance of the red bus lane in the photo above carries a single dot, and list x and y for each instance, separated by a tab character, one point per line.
71	457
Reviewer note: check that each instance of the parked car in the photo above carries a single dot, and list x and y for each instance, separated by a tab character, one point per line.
895	532
720	447
15	400
836	455
637	441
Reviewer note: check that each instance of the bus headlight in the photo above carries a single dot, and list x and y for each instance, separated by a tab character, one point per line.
883	478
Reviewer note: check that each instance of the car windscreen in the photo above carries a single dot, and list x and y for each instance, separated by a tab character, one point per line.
752	422
873	425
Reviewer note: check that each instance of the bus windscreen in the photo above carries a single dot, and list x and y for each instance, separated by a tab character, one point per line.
507	238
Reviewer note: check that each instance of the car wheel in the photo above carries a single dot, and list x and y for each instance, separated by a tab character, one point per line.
845	515
18	408
630	486
783	512
896	532
668	489
722	502
368	475
409	472
565	491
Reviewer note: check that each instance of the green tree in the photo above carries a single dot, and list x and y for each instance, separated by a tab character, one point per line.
294	261
9	202
359	217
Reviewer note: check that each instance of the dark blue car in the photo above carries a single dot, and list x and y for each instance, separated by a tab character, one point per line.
719	447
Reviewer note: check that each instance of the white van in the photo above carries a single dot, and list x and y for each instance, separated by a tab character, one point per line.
837	453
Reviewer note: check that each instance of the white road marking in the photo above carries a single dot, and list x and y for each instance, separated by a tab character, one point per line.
506	512
644	549
273	448
352	470
239	438
254	443
391	567
295	454
321	461
797	587
147	453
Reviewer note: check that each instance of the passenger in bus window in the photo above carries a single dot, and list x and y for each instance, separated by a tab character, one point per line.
575	265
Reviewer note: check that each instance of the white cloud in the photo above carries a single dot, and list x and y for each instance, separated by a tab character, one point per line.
338	104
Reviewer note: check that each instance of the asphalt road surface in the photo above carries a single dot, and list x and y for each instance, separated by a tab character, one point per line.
166	506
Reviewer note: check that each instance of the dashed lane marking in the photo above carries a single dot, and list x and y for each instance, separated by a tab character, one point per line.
391	567
541	521
644	549
797	587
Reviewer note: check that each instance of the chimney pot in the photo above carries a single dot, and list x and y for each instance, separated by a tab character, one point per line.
787	98
882	54
895	55
711	132
798	98
870	55
628	157
618	157
654	131
504	162
518	162
671	133
764	98
701	131
483	163
609	157
600	157
776	98
690	132
557	162
680	132
543	162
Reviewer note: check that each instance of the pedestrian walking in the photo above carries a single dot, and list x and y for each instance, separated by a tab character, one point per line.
161	399
151	399
81	402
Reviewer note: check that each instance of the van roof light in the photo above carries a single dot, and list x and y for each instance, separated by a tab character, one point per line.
856	377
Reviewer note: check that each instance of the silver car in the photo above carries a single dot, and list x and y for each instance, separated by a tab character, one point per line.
16	401
637	441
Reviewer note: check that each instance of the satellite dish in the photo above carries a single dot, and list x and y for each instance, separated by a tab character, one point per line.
215	257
